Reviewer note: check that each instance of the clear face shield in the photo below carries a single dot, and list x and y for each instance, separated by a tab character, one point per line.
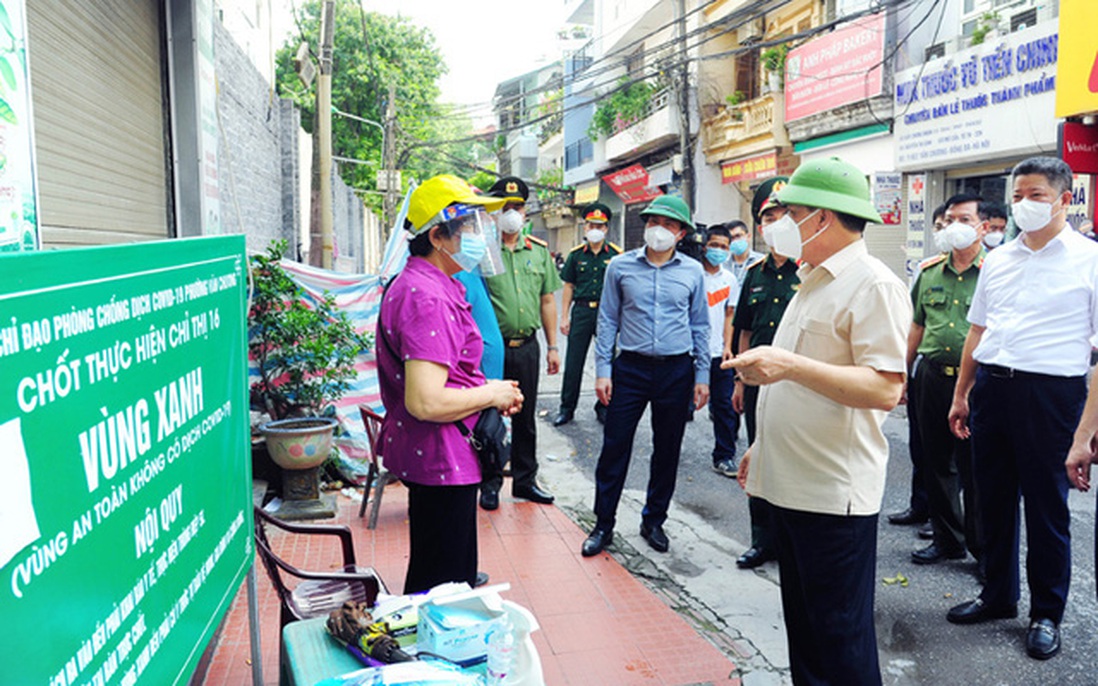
479	238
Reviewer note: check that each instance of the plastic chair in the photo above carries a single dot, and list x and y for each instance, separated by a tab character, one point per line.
318	593
373	420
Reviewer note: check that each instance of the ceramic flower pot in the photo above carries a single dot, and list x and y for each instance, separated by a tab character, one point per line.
300	443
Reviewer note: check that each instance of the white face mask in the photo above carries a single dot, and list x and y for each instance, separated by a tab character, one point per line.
659	238
1031	215
767	238
959	236
596	235
941	241
786	235
993	239
510	221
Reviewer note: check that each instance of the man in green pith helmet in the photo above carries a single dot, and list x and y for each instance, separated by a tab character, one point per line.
655	312
583	275
834	370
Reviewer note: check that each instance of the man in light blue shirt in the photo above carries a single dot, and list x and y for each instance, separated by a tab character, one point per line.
654	308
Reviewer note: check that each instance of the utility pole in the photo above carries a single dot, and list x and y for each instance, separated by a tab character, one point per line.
389	158
324	133
682	88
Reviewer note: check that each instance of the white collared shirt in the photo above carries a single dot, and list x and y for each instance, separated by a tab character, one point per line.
1040	309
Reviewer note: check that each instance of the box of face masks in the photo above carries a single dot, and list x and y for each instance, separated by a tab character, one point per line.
457	626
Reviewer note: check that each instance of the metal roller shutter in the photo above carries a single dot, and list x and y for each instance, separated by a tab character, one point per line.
99	120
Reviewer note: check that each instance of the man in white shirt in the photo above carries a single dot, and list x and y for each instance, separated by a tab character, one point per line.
1025	360
722	291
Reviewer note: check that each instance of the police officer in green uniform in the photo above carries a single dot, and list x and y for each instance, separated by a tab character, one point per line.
522	296
941	297
582	276
767	289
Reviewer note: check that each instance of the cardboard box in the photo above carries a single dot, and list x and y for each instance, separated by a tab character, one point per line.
457	626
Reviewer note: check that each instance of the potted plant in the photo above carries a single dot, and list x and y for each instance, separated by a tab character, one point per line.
305	356
773	59
734	101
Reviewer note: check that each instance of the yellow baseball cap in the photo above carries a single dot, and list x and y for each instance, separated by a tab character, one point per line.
425	207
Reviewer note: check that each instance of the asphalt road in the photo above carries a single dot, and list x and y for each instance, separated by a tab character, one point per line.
709	527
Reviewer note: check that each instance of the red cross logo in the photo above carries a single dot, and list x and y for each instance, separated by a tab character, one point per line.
917	185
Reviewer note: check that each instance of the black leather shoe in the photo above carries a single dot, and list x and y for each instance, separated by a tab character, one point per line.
975	612
926	532
935	553
489	500
600	412
562	418
533	494
907	517
754	557
655	537
1042	639
597	541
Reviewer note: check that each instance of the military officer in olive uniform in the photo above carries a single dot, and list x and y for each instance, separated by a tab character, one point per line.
941	297
582	275
522	296
767	289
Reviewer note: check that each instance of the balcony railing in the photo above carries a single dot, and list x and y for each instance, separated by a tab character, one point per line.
749	120
658	126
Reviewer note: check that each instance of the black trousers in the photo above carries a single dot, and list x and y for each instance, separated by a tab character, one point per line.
828	565
581	329
762	529
442	521
918	503
1022	428
947	464
522	365
668	386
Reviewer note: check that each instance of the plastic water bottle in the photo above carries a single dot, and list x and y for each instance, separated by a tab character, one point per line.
501	650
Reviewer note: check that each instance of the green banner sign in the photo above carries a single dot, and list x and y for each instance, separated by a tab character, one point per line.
125	498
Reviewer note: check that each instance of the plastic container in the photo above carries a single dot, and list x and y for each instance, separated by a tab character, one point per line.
501	651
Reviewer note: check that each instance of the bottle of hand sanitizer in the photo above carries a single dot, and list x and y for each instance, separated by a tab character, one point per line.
501	648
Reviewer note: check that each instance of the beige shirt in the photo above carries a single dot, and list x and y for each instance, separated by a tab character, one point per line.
812	453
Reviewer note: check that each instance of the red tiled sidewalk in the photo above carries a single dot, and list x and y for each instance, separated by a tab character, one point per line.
599	625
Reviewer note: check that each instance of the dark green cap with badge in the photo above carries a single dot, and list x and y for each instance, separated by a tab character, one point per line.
766	196
511	189
597	213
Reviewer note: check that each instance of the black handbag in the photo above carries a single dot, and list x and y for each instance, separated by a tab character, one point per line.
488	438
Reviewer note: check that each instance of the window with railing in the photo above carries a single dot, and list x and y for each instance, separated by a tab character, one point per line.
578	153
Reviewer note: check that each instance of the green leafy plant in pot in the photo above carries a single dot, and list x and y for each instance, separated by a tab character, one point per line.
305	358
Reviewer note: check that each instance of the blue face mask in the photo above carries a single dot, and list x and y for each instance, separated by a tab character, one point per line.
473	249
716	256
738	246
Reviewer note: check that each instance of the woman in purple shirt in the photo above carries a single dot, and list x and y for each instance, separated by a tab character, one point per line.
429	351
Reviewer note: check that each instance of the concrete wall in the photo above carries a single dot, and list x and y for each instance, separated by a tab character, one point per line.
264	168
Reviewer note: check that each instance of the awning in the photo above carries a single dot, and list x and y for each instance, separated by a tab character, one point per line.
632	185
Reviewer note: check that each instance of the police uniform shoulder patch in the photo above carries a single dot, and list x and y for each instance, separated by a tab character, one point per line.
538	241
757	262
933	260
581	246
615	248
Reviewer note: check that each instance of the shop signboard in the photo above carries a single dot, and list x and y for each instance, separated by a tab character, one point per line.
632	185
1081	208
750	168
988	102
125	507
916	222
587	193
18	183
888	196
1079	146
1077	70
836	69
